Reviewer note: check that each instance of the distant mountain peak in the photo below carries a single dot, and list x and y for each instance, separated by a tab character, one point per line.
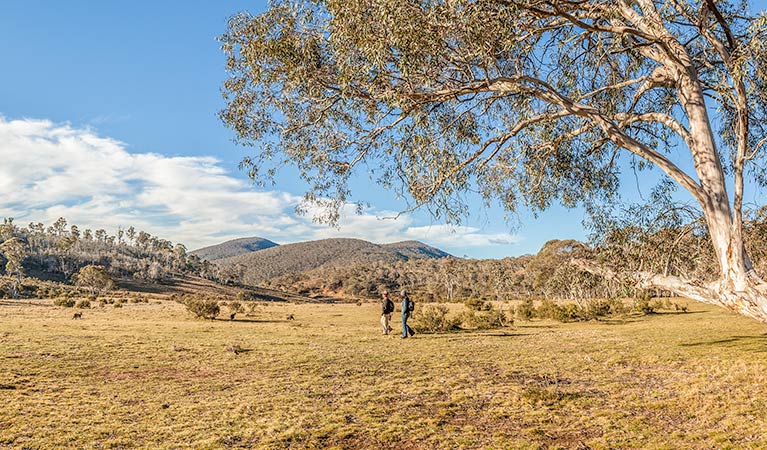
234	247
416	250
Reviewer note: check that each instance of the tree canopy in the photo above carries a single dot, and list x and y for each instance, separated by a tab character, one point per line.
527	101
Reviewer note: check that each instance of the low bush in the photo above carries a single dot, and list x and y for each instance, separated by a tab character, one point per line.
644	306
64	301
477	304
206	308
434	319
483	320
525	310
548	309
83	304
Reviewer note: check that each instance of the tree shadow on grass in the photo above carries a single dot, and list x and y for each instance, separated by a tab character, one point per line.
757	339
253	320
469	333
636	318
24	302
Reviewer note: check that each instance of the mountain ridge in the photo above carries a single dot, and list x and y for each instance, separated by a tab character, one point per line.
299	257
233	247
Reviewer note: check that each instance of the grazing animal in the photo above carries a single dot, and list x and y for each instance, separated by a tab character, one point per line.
235	349
77	315
291	317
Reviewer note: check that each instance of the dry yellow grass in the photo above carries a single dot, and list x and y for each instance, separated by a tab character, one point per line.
150	376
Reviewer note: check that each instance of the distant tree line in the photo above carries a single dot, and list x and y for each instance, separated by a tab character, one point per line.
60	250
673	243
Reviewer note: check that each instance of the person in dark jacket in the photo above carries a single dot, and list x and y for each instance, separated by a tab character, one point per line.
407	308
387	308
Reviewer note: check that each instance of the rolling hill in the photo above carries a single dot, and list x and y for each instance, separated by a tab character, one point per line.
234	247
300	257
416	250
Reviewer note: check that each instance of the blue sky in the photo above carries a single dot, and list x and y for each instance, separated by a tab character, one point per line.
108	118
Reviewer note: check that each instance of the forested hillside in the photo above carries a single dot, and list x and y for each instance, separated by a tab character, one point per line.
59	250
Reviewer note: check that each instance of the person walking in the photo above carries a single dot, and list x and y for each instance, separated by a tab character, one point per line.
407	309
387	308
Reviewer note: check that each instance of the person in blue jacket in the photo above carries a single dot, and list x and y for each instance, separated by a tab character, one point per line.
407	310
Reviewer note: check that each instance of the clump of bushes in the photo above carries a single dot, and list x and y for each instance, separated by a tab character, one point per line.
234	307
526	309
434	319
137	298
203	307
83	304
65	302
484	320
477	304
478	316
592	309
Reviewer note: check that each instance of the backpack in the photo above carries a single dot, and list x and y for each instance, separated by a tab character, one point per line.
410	305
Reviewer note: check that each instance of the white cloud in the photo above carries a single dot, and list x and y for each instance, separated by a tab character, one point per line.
52	170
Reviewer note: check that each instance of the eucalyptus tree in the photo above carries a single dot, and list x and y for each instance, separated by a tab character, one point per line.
529	101
14	250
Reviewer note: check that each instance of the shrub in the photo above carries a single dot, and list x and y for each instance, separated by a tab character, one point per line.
118	303
644	306
525	310
596	308
234	307
83	304
477	304
482	320
569	312
434	319
202	307
65	302
548	309
95	278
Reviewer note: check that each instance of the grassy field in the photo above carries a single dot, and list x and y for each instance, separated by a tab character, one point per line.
150	376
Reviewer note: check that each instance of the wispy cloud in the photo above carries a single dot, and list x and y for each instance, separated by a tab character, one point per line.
54	170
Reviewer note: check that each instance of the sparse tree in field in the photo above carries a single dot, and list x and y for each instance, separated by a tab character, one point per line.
530	101
95	278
